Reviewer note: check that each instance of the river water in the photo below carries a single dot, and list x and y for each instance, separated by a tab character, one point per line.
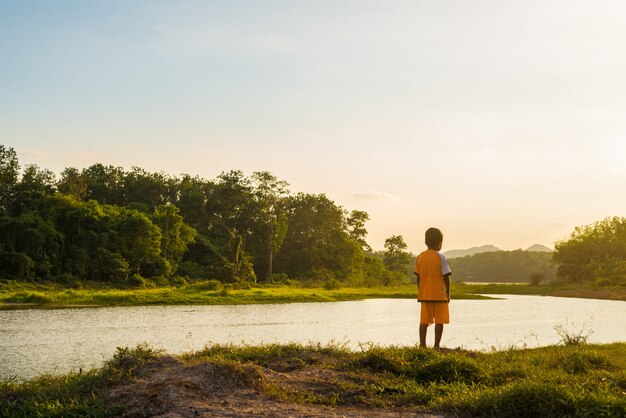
57	341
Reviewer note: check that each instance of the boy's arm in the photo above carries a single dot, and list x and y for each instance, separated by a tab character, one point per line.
417	277
446	282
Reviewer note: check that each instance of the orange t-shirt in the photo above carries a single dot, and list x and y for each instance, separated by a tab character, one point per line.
431	266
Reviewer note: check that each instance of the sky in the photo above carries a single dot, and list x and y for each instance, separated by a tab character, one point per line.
500	122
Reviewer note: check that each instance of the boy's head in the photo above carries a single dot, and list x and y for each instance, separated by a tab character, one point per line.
434	239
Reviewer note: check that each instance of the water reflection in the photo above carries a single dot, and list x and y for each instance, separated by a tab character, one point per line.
35	341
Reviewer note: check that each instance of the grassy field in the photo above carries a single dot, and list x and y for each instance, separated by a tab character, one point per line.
573	379
15	295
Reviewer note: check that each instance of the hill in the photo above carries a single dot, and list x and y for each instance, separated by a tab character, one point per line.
470	251
540	248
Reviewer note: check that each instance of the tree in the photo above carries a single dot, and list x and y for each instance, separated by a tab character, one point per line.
35	179
595	252
317	244
9	172
104	184
395	256
72	183
146	191
269	192
356	228
176	234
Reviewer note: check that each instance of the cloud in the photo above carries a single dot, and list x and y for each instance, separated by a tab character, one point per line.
371	194
33	154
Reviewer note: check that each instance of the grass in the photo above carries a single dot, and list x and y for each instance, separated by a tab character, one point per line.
21	295
578	290
14	295
568	380
81	394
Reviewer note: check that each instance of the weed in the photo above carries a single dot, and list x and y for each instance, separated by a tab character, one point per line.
573	337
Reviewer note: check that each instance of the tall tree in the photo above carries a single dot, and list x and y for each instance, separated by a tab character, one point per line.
72	183
9	172
271	225
356	228
396	257
146	190
104	183
176	234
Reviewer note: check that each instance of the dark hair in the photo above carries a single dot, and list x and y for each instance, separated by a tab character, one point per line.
434	237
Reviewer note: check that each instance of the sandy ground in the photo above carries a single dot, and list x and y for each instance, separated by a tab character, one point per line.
171	388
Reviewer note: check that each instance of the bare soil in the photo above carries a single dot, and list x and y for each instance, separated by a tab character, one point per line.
172	388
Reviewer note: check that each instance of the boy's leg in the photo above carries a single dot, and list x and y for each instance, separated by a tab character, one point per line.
423	329
438	334
426	317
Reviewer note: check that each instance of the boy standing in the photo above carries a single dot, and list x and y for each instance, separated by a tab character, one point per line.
433	284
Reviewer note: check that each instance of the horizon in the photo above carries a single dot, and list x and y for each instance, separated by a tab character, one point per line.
496	122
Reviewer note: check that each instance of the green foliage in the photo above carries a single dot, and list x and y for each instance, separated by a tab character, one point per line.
332	284
356	228
595	252
176	235
107	224
9	172
376	273
316	240
127	361
505	266
395	256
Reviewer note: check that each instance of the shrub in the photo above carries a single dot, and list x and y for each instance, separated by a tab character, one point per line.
206	285
137	281
280	278
179	281
332	284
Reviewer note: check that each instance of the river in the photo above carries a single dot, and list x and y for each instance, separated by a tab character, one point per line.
57	341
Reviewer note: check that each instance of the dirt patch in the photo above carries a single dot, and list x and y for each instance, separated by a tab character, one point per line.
171	388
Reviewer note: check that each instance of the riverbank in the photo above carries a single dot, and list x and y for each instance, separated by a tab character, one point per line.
16	295
573	378
22	295
550	289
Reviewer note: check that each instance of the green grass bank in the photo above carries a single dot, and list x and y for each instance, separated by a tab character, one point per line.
25	295
573	379
20	295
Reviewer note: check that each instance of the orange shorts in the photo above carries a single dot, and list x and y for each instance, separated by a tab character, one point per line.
437	313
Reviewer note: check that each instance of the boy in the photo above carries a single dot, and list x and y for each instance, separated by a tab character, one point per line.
433	284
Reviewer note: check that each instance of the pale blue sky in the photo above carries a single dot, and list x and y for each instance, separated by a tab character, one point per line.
499	122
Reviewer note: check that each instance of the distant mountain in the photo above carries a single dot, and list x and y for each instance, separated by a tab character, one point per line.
539	247
471	251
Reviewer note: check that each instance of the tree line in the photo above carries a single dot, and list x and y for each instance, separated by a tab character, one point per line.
594	253
505	266
105	223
